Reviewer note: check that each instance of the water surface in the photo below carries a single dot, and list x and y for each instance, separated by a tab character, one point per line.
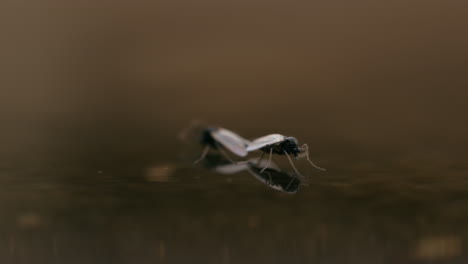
176	213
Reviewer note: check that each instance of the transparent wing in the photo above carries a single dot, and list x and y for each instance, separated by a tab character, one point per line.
264	141
230	140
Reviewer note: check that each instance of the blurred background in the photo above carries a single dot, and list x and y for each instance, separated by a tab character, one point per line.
123	77
93	86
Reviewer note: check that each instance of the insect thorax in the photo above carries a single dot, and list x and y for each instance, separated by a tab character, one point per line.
275	148
289	146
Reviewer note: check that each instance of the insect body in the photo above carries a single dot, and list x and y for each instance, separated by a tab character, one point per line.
281	145
277	144
219	138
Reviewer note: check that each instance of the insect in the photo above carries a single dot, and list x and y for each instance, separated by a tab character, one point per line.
281	145
219	138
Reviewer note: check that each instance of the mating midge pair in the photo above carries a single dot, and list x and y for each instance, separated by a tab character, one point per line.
219	138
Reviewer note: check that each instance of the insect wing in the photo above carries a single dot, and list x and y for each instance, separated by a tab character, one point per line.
264	141
230	140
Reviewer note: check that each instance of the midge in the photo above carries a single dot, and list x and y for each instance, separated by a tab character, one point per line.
219	138
281	145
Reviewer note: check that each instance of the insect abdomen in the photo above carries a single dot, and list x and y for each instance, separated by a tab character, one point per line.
207	139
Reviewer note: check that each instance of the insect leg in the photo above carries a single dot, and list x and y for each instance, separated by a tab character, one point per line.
260	159
270	179
289	184
269	161
306	149
203	155
292	164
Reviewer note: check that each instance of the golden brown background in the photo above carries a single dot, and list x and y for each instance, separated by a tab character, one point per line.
386	78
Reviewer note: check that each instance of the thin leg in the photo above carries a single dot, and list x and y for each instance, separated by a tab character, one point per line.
270	180
203	155
224	154
306	148
292	164
269	161
289	184
260	159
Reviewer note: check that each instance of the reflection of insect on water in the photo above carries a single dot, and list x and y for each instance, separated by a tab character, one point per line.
281	145
219	138
268	174
276	179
